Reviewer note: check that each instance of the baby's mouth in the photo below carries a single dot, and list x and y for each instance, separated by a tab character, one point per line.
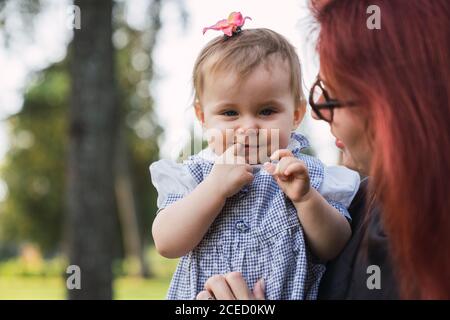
247	140
255	153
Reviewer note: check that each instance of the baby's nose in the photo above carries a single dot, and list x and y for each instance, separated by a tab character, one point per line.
247	131
245	135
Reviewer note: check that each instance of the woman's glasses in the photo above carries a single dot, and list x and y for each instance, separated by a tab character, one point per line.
322	104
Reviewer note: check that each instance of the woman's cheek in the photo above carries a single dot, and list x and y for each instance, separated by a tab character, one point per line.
357	154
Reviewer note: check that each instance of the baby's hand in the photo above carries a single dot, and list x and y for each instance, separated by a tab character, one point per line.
290	173
230	171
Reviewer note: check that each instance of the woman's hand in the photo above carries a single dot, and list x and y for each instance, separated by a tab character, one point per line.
230	171
231	286
291	174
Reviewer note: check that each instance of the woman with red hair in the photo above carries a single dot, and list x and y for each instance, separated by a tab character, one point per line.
386	94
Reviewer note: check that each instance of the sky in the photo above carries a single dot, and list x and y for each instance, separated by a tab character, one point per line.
174	58
50	36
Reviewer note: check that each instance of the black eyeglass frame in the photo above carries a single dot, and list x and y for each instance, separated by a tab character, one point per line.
329	104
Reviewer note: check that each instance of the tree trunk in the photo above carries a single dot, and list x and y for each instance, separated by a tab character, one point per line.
92	144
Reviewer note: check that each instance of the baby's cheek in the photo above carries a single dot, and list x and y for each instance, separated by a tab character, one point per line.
228	139
278	140
284	142
220	146
219	139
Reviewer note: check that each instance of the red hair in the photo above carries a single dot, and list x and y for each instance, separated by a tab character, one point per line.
401	76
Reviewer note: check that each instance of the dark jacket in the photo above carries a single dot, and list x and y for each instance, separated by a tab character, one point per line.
347	275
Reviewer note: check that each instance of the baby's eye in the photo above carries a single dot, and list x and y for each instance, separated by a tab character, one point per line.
230	113
267	112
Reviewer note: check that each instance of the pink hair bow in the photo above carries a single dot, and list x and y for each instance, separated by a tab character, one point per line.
229	26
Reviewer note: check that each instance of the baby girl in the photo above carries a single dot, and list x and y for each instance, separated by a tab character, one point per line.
278	221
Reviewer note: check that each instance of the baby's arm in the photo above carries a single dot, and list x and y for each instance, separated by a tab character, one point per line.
180	227
326	229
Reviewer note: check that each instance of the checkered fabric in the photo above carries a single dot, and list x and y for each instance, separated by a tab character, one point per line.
258	234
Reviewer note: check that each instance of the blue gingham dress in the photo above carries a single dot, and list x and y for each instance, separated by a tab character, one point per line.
258	234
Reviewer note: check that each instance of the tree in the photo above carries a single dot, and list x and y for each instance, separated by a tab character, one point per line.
36	166
93	128
34	170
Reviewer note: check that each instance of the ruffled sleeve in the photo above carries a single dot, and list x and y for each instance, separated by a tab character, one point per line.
172	180
339	187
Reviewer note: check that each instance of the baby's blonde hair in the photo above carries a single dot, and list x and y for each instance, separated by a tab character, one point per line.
242	53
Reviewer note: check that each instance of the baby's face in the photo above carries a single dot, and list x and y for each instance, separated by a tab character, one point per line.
259	111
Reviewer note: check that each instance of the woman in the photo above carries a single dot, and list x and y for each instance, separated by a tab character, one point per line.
386	95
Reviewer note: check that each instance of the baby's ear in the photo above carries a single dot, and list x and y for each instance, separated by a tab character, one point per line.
299	113
199	112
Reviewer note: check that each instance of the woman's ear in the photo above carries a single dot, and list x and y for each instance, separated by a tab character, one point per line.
299	113
199	112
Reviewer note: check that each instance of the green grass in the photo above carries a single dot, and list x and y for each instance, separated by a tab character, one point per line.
42	280
53	288
30	288
138	289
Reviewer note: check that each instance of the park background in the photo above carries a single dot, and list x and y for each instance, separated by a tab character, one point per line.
84	112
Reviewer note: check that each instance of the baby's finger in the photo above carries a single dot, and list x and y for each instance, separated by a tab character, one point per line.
280	153
234	149
238	286
269	167
283	164
259	290
233	154
297	168
219	287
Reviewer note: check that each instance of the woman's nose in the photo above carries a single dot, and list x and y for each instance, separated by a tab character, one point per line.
314	115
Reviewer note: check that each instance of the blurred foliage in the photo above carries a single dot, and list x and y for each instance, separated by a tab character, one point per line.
142	131
135	74
24	12
20	267
35	166
32	264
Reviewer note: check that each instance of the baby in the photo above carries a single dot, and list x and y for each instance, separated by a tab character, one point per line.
218	212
